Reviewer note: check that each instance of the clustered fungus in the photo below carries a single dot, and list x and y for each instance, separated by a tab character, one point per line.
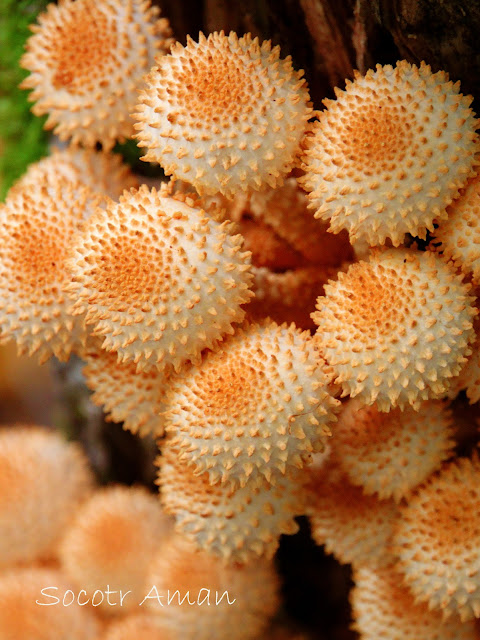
22	617
390	153
384	608
158	278
397	328
36	234
137	399
43	482
257	589
104	172
458	237
87	60
437	538
389	454
274	410
352	526
225	114
218	316
237	524
112	542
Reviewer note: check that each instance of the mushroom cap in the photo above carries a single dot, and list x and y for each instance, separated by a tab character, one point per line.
104	172
458	237
469	377
179	566
237	524
37	227
43	481
21	618
112	541
385	609
389	454
355	528
259	406
135	398
240	130
87	59
390	153
397	328
437	539
159	279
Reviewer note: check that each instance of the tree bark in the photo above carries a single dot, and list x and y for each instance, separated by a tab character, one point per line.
330	38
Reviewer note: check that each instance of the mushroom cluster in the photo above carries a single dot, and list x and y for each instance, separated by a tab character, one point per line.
288	362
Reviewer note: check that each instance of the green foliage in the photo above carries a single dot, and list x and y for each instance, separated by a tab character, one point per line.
22	138
131	154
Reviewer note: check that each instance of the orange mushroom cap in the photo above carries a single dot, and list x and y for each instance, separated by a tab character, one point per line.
239	130
86	61
236	524
390	153
437	539
396	329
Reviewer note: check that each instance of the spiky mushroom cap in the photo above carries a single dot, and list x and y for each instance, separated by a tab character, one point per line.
104	172
389	454
355	528
437	540
135	398
159	279
43	481
180	566
258	406
112	541
458	237
240	129
383	608
285	211
289	296
469	378
236	524
37	227
87	59
21	617
390	153
397	328
134	627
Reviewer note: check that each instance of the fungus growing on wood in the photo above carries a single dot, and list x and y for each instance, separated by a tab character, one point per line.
43	481
226	114
112	541
396	329
390	153
21	618
389	454
236	524
207	581
383	608
158	279
437	539
37	227
87	59
259	406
